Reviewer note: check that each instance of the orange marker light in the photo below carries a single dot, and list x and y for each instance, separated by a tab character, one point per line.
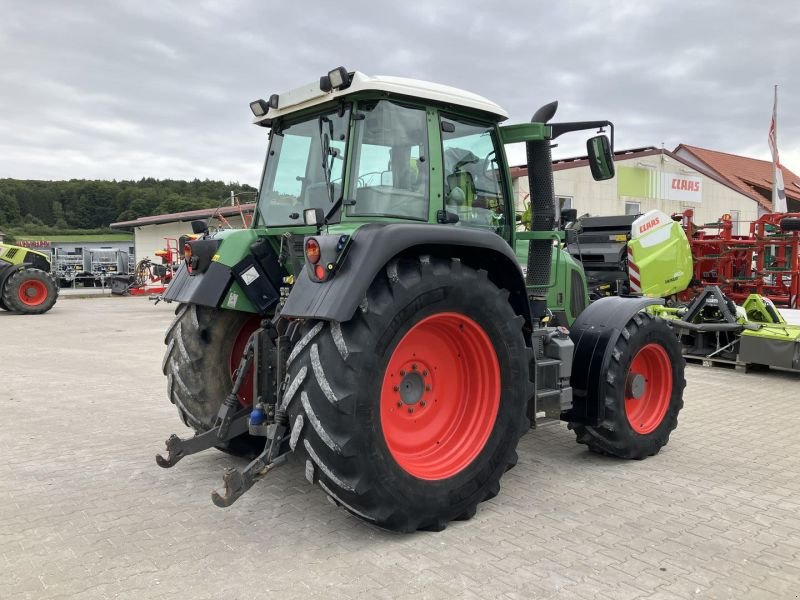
319	271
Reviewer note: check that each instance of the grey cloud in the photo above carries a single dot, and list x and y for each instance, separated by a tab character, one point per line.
127	89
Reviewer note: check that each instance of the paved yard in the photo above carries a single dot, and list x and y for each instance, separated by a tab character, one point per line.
86	513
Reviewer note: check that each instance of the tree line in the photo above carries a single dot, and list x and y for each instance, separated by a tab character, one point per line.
31	206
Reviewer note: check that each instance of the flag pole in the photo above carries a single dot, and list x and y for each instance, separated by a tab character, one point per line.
775	138
778	193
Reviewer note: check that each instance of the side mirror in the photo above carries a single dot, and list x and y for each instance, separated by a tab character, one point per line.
601	160
314	216
199	227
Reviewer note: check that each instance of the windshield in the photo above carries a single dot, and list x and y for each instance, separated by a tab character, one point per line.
296	176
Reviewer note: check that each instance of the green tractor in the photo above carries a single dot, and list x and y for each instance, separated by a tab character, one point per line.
26	286
384	319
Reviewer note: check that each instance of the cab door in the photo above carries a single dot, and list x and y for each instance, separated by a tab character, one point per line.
474	175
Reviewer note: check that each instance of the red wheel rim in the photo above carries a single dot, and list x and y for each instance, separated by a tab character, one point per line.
32	292
648	388
246	390
440	396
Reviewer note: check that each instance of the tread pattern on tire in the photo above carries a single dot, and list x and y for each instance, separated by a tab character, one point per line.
11	302
613	436
196	365
325	405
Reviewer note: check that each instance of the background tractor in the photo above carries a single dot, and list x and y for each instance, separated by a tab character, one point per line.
384	320
26	285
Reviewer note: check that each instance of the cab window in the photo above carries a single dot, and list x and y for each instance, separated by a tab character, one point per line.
390	172
472	182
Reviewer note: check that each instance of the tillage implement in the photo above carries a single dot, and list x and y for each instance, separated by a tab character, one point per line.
384	320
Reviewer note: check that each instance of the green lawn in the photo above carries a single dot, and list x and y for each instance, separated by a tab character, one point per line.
91	237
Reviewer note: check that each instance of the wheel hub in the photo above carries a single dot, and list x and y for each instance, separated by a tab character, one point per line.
412	388
635	385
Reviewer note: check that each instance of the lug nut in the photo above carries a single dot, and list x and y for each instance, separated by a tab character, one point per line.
411	409
399	405
427	388
414	367
422	403
402	373
425	373
397	388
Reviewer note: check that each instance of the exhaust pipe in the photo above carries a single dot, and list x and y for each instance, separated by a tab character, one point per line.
543	209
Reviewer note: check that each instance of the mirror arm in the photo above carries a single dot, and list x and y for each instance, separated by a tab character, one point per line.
562	128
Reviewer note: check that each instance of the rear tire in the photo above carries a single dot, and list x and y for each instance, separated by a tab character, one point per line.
351	386
197	362
646	361
30	291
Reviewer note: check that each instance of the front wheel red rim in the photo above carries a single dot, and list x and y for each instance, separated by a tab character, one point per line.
440	396
648	388
32	292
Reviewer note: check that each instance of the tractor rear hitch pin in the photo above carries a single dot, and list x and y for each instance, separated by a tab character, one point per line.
238	482
177	448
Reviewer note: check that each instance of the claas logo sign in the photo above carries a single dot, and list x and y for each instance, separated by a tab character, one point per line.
649	225
687	185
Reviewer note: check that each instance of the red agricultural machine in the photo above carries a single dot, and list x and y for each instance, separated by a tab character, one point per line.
150	277
766	261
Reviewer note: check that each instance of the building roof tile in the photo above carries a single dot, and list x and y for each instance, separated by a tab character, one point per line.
753	177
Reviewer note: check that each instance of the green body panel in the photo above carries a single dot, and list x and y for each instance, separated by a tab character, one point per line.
663	258
524	132
236	299
16	255
564	270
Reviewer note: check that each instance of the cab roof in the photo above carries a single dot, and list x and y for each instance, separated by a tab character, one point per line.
311	95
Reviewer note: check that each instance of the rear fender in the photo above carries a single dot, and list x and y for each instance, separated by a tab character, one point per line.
594	334
374	245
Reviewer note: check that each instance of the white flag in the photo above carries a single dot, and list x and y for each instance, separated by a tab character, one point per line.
778	192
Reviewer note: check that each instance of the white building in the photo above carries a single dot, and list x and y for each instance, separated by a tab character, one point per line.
646	178
151	233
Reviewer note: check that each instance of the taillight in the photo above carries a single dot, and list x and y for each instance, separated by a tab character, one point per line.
313	254
319	271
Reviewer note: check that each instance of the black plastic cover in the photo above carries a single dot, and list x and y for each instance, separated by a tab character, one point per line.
255	282
207	290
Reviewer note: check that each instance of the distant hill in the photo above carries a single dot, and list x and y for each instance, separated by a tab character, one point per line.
41	207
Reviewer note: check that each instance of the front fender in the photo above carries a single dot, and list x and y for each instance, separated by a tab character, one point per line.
374	245
594	334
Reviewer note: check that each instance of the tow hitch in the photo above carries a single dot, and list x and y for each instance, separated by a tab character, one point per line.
264	349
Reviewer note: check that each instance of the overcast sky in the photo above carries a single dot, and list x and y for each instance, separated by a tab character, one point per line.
128	88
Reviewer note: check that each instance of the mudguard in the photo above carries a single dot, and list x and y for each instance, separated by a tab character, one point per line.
374	245
207	289
594	334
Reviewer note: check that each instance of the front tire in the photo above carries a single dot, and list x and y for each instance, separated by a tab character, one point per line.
204	346
409	414
30	291
644	392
